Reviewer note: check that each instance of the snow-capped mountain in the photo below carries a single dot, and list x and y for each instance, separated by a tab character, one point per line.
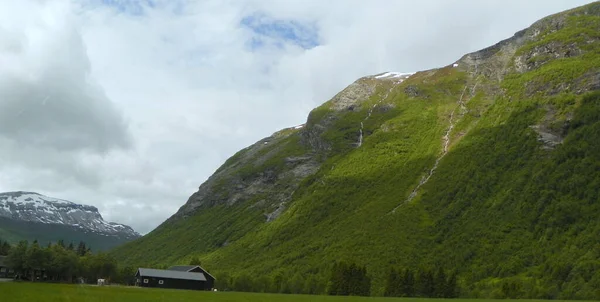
37	208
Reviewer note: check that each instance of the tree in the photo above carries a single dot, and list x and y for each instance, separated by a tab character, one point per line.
425	283
63	264
311	285
71	247
243	283
511	289
451	286
338	281
36	260
105	265
16	257
349	279
365	283
195	261
262	284
392	283
125	275
296	284
440	284
278	283
4	248
223	282
408	283
81	249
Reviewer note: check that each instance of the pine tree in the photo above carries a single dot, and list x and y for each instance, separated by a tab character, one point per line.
338	281
296	284
277	284
391	285
408	283
451	286
353	279
349	279
81	249
365	282
425	284
342	274
70	247
440	283
61	243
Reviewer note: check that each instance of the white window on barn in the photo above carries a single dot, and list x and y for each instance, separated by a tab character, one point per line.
145	280
161	281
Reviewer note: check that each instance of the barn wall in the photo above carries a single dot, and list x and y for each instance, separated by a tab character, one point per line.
210	281
175	283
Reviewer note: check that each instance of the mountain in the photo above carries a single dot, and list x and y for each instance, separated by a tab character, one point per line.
488	167
30	216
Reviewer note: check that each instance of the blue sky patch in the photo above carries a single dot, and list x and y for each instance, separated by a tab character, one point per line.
271	31
139	7
131	7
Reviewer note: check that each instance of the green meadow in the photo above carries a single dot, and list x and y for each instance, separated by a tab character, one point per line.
25	291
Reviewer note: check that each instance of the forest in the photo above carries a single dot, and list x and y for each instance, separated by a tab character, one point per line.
60	262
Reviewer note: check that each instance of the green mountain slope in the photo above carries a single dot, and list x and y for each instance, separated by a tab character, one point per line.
490	168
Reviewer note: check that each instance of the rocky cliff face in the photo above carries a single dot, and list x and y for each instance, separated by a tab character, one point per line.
268	173
36	208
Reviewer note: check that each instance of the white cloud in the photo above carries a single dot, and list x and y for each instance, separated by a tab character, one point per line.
130	106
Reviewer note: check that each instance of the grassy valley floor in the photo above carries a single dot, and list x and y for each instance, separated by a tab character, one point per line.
21	291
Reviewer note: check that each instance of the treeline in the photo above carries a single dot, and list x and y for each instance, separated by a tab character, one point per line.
60	263
342	279
349	280
421	283
280	282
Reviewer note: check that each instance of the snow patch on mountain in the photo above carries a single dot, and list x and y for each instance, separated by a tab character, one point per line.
394	74
34	207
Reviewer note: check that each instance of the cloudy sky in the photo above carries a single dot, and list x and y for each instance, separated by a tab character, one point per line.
129	105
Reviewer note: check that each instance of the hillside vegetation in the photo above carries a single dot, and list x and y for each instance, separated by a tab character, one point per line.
490	170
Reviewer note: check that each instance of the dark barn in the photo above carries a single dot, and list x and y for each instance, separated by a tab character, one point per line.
195	269
148	277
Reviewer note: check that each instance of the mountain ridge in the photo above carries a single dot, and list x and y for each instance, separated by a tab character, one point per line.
470	167
23	210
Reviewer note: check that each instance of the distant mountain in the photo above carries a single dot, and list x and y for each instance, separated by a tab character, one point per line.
30	216
488	167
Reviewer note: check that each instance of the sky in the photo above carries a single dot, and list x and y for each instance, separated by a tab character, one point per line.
129	105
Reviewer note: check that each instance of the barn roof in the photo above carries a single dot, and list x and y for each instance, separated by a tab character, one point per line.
187	268
182	268
170	274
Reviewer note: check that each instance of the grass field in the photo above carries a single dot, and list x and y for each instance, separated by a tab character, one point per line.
11	291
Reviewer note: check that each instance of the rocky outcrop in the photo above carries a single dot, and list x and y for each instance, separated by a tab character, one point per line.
262	176
259	175
351	96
